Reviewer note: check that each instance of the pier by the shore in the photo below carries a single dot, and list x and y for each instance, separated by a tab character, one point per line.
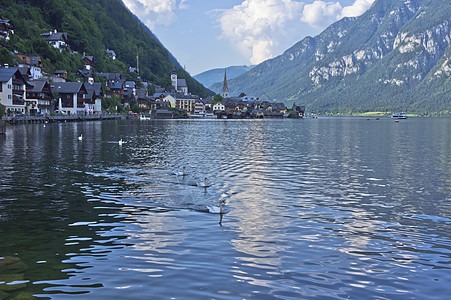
60	118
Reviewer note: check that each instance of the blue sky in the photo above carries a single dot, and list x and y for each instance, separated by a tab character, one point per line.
208	34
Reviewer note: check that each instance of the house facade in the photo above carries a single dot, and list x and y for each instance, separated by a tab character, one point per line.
39	97
88	62
56	39
187	104
218	106
72	97
199	107
33	63
93	98
111	54
13	90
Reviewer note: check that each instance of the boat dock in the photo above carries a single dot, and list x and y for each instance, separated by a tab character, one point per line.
60	118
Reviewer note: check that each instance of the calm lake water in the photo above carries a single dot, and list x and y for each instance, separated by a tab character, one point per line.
329	208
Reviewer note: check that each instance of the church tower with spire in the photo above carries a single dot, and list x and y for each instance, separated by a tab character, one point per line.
174	79
225	89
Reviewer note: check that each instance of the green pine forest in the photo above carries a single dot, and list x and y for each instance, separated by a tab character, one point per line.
92	27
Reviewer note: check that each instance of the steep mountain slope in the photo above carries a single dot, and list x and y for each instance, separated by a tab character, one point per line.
92	27
208	78
394	57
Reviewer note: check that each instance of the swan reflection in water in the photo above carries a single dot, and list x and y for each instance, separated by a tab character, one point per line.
180	173
213	209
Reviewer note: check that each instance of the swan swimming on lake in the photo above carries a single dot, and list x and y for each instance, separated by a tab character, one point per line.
204	183
180	173
80	137
120	142
213	209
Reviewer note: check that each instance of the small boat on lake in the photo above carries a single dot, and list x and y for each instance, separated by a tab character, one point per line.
399	116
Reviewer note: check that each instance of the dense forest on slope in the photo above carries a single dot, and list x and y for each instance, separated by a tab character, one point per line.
92	26
395	57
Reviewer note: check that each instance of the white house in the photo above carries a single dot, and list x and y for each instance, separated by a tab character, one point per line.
72	97
218	107
57	39
111	54
13	90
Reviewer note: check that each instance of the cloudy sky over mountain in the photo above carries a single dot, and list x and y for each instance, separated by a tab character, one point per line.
207	34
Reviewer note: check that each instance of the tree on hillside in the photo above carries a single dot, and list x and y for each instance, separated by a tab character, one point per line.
217	98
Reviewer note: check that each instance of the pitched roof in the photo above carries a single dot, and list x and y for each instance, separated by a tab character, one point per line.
114	85
37	86
7	73
66	87
91	58
96	88
85	73
130	84
34	60
110	52
54	36
181	83
110	76
25	71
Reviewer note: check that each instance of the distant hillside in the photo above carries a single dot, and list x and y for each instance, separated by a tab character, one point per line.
92	27
208	78
395	57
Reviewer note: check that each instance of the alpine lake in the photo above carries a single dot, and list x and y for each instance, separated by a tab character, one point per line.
327	208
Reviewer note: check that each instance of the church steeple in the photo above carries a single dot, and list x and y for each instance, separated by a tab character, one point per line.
225	89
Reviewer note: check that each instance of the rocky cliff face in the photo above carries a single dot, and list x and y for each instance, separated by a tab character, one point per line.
395	56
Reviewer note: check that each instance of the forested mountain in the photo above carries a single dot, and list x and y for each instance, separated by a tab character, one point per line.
208	78
92	26
395	57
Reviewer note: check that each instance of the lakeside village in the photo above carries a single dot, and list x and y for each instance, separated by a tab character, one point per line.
27	94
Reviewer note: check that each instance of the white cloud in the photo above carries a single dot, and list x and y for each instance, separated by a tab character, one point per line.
256	26
356	9
320	13
154	12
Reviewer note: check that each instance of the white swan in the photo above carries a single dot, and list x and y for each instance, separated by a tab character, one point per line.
180	173
120	142
204	183
80	137
213	209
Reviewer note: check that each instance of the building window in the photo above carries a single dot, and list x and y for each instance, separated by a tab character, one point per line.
9	96
1	88
9	86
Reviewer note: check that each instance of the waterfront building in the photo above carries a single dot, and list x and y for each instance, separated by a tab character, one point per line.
12	90
93	98
72	97
219	106
39	97
186	103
